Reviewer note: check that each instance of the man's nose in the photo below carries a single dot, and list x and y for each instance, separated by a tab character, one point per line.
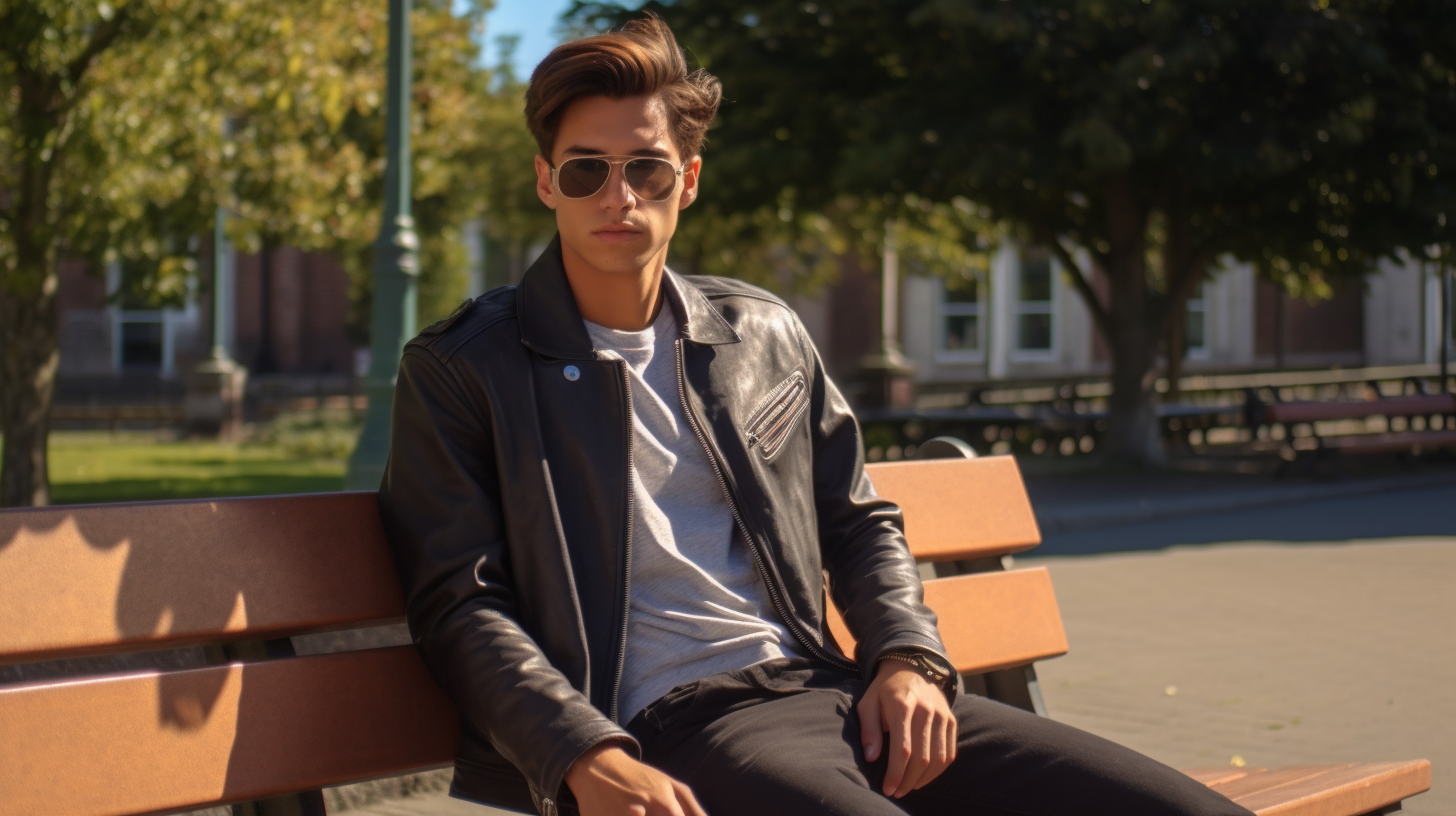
617	194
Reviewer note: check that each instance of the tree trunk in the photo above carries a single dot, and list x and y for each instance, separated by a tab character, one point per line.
1132	436
29	351
29	354
1177	347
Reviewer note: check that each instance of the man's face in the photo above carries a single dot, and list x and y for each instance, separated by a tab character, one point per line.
615	231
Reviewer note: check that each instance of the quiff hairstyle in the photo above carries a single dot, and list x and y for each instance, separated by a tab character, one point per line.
642	58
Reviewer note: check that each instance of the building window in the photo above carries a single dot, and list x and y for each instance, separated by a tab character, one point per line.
141	342
1450	309
1034	302
961	326
1195	325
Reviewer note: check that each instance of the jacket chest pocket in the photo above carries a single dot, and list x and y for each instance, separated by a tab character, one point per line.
771	421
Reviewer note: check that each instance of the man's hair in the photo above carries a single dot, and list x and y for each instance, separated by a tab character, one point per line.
642	58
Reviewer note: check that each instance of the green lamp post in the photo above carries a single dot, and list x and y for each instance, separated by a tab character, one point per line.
396	264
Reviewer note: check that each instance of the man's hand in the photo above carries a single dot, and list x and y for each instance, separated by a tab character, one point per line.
607	781
922	730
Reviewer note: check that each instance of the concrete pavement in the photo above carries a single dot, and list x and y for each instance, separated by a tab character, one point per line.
1277	653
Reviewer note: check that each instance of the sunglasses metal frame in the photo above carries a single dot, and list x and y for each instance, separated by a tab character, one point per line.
613	162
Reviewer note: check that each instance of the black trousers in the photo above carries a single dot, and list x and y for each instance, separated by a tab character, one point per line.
782	737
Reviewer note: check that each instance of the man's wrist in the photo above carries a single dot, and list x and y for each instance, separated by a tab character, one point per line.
592	759
928	665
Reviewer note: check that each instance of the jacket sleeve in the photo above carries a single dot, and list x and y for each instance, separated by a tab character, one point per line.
873	578
441	507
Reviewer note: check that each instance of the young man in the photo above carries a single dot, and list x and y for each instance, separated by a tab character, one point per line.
613	493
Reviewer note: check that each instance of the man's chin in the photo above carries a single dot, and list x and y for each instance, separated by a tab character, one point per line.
629	257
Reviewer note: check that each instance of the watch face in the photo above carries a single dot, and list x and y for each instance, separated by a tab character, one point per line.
934	664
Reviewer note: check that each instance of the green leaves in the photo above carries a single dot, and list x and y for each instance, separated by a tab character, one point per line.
138	118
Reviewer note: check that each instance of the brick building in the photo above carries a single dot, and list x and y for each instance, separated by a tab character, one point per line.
1022	321
290	318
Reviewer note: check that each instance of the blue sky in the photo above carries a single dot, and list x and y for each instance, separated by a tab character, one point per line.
534	20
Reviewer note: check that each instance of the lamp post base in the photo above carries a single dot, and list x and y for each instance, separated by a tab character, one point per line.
886	381
213	406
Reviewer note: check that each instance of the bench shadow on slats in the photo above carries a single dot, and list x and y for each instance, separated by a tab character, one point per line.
232	580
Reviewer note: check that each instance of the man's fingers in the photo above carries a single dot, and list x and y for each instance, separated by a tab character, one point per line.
871	729
919	749
898	746
939	752
688	802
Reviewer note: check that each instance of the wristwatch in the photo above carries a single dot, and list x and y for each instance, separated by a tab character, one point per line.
935	668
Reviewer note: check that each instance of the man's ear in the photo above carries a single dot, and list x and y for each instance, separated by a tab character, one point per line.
690	183
544	190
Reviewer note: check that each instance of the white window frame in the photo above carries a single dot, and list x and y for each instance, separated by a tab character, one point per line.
1047	307
945	309
1197	303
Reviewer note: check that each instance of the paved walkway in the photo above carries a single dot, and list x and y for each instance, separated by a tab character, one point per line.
1281	654
1316	631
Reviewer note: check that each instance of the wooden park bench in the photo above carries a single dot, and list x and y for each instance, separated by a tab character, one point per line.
245	719
1425	407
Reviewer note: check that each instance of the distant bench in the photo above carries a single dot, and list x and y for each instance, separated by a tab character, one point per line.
1424	406
259	723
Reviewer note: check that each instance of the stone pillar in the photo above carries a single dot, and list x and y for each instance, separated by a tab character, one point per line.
213	406
886	374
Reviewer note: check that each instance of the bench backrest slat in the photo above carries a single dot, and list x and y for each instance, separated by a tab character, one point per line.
960	508
990	620
1313	411
147	742
127	577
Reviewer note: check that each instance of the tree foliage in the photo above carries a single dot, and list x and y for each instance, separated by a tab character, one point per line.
1149	136
125	124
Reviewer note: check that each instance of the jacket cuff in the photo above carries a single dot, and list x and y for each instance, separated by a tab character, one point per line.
546	790
869	659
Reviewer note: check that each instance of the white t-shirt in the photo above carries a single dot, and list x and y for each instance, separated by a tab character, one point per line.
698	606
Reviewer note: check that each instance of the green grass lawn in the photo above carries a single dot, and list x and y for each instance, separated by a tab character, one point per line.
96	466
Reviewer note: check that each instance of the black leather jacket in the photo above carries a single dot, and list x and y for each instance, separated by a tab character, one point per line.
506	502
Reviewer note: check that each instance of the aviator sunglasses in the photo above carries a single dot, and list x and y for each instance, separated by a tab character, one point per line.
651	179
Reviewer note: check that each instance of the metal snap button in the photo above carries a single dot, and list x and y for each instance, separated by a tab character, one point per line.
571	373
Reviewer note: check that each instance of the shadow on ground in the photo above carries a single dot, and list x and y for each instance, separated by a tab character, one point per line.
1429	511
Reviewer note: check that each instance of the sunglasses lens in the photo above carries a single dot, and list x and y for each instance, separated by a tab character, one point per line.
579	178
652	179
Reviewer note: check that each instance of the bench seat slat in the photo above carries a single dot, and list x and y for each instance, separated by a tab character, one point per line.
989	621
1347	789
1213	777
127	577
960	508
149	742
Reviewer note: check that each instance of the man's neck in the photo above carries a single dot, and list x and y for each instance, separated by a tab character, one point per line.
624	300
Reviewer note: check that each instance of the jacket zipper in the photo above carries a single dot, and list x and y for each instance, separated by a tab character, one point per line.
626	553
753	545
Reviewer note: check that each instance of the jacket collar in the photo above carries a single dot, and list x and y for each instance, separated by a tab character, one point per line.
551	324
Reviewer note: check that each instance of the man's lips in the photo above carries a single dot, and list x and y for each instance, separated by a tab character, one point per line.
617	232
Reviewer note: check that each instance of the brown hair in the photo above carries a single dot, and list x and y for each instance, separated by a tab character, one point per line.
639	59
